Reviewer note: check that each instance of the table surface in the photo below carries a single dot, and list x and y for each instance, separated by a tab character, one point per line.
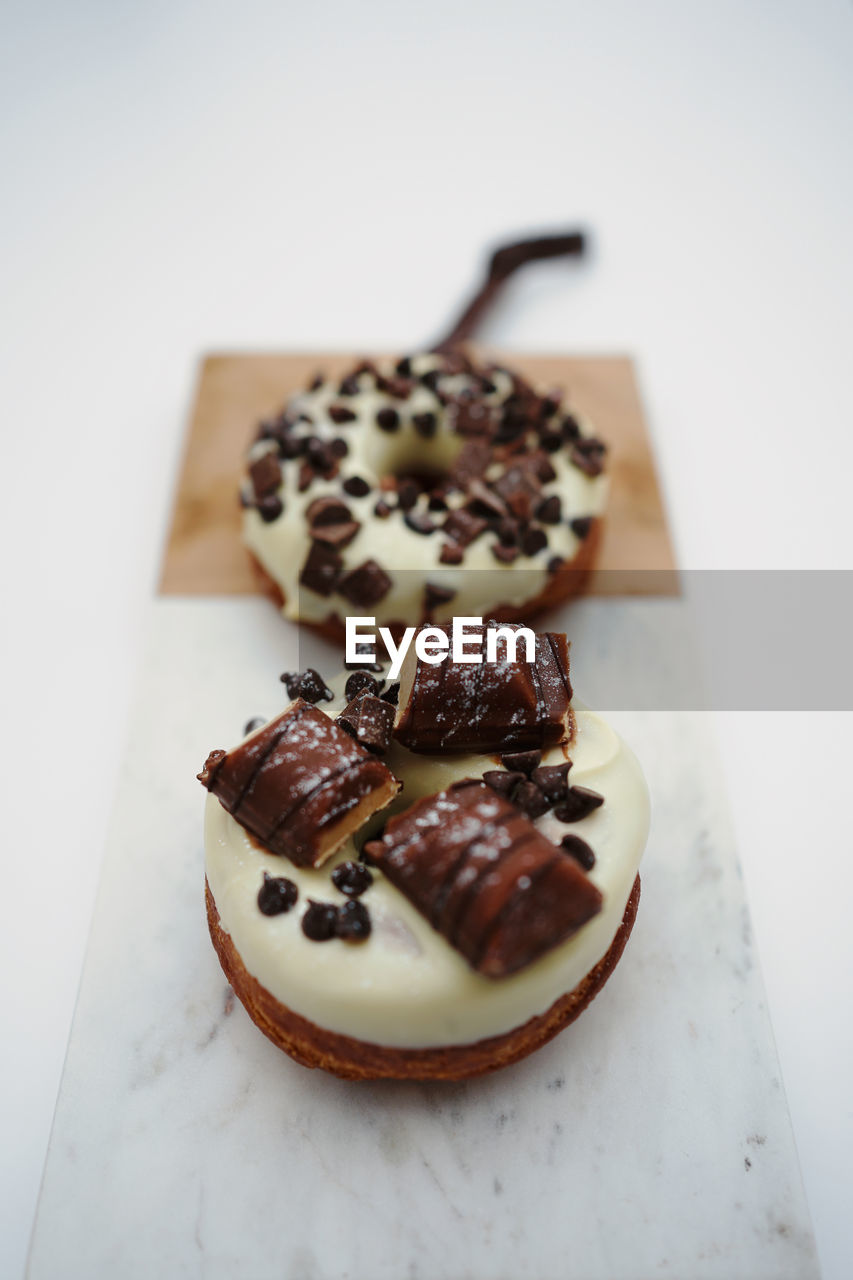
179	180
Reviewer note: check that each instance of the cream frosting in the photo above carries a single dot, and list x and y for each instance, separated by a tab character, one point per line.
282	545
405	986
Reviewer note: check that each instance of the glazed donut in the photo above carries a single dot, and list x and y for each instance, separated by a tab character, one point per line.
471	927
379	493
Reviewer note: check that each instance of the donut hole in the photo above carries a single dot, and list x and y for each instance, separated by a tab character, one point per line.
405	455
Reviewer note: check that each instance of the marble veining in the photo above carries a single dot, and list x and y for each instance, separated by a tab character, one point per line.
650	1139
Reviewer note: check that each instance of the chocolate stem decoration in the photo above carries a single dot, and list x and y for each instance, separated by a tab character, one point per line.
503	262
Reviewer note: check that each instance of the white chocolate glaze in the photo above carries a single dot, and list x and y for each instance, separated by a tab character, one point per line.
409	558
405	986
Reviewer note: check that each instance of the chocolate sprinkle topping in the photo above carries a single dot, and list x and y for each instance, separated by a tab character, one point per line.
276	895
352	878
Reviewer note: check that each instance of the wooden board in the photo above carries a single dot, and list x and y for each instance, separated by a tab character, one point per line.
205	555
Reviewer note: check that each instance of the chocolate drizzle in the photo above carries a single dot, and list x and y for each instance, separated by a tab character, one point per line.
300	785
484	877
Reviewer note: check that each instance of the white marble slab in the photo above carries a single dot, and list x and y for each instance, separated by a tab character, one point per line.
650	1139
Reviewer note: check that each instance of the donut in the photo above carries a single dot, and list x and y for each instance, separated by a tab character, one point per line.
379	493
399	887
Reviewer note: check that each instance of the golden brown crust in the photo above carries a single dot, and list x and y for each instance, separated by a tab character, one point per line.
568	582
313	1046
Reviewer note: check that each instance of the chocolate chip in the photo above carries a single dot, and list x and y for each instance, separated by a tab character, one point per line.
523	761
353	922
503	781
570	428
430	378
340	414
588	455
506	555
579	850
356	487
451	553
321	455
578	804
349	386
420	522
276	895
403	368
290	447
265	474
382	509
327	511
407	494
533	541
464	527
507	530
434	595
581	526
366	584
551	441
550	510
425	424
388	419
392	694
338	447
307	476
307	684
251	725
552	780
519	490
359	681
319	921
544	470
437	501
352	878
555	564
529	799
321	570
397	388
270	508
316	382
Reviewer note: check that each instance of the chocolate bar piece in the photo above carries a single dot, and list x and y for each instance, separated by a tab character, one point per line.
487	706
482	874
301	785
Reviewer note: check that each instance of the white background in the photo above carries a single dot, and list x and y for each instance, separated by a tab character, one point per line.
178	178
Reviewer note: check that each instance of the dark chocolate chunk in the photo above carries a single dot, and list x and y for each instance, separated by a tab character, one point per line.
327	511
366	584
522	761
463	527
451	553
507	530
480	872
519	490
579	850
321	456
420	522
570	428
551	441
265	474
533	541
270	507
392	694
552	780
356	487
352	878
370	720
307	476
503	781
388	419
545	470
407	494
349	385
435	594
382	509
358	682
484	501
353	922
251	725
403	367
340	414
290	447
505	554
437	501
555	564
581	526
578	804
550	510
338	447
397	388
425	424
320	921
276	895
307	684
321	570
588	455
529	799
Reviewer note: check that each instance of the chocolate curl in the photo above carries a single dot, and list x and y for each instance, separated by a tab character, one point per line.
301	785
485	878
488	706
502	264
